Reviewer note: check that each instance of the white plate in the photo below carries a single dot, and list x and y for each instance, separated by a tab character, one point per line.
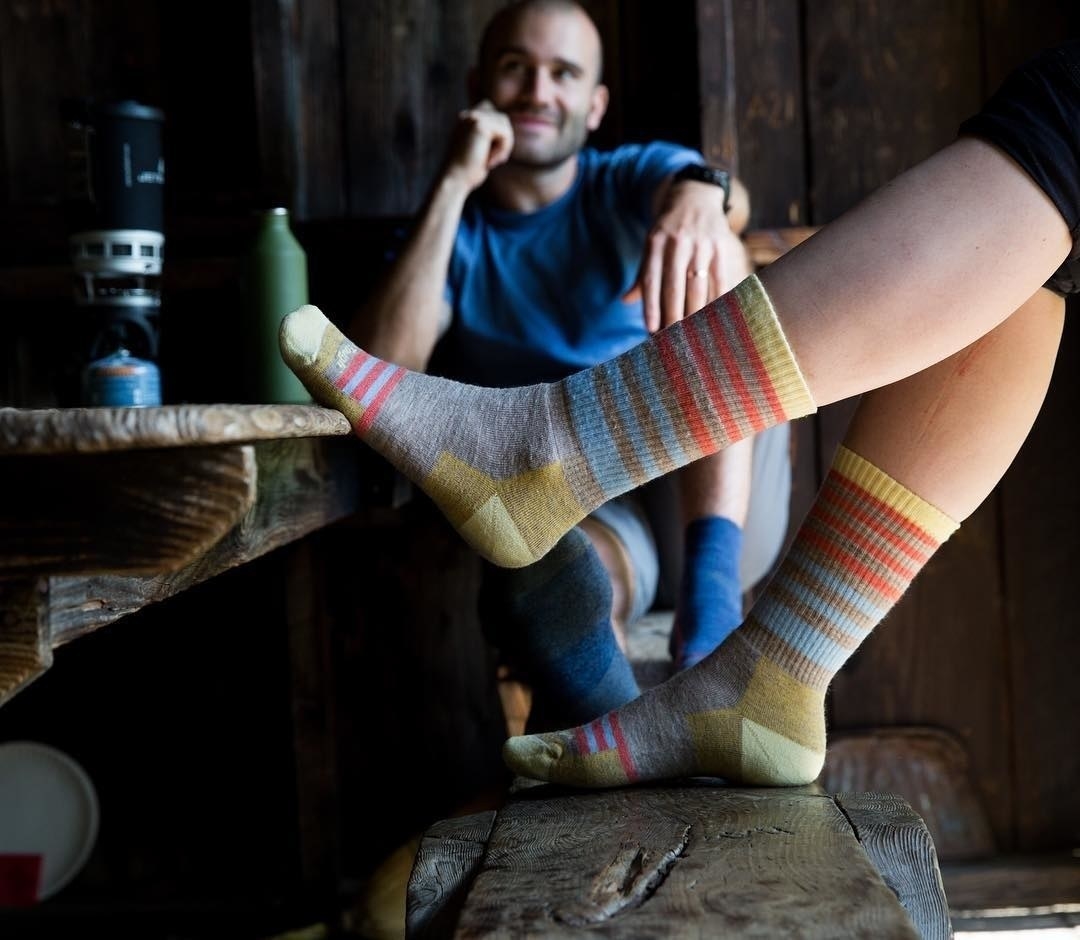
48	807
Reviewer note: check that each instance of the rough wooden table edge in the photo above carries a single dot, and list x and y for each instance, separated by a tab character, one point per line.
70	431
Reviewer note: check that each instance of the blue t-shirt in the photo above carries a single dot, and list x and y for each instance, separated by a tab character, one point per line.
536	296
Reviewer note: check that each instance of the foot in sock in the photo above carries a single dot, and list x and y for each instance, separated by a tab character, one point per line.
753	710
552	619
710	594
515	469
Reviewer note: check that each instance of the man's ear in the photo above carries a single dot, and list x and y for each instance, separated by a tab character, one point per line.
597	107
472	85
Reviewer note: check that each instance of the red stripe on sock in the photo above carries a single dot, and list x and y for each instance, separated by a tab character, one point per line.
706	368
733	366
754	363
581	741
369	379
372	410
674	370
351	369
625	757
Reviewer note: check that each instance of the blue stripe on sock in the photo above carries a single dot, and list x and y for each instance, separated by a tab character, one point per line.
594	433
660	416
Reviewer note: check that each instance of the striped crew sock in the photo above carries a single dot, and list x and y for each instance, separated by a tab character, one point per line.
753	711
552	620
515	469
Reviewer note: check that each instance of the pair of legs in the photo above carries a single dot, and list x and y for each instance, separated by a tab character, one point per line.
927	296
561	622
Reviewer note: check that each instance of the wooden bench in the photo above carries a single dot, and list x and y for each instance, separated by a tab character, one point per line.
697	859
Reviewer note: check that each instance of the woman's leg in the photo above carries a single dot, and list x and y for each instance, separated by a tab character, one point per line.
917	272
920	454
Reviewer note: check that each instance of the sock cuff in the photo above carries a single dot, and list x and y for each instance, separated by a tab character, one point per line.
895	495
772	346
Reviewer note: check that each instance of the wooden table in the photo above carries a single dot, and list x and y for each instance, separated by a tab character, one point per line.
696	859
106	510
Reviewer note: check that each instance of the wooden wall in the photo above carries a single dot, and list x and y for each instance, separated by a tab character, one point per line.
338	110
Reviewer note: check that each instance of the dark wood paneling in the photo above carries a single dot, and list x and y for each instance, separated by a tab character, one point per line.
752	102
1014	31
887	85
66	49
404	83
299	108
1041	549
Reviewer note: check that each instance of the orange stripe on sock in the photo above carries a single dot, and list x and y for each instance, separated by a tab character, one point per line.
376	404
754	361
855	494
865	574
733	367
842	514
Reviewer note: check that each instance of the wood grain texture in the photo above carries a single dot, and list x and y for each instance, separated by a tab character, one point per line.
897	841
96	430
303	485
442	873
135	512
684	861
928	767
25	648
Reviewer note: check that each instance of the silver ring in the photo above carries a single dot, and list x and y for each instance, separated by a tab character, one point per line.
698	272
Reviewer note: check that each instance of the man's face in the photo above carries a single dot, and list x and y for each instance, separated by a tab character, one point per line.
542	70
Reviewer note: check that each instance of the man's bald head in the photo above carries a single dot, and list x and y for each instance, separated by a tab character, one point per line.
500	24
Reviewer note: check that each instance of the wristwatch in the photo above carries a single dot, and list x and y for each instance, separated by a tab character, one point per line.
707	174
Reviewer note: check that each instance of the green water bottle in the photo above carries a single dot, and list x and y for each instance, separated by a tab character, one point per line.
276	283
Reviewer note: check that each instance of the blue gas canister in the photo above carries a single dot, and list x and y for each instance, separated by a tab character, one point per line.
122	380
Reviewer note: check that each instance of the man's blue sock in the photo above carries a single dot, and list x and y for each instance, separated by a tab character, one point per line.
710	594
552	620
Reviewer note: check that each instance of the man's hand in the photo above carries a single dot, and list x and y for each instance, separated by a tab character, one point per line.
691	255
482	139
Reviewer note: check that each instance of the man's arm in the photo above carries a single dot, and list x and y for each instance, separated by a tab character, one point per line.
693	252
408	311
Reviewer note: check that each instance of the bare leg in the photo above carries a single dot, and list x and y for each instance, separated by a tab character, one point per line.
921	455
916	272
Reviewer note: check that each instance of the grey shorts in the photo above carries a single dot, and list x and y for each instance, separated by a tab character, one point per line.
647	523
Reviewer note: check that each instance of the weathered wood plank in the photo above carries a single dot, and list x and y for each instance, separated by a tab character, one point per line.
928	767
897	841
292	487
684	861
25	646
442	873
303	485
135	512
94	430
